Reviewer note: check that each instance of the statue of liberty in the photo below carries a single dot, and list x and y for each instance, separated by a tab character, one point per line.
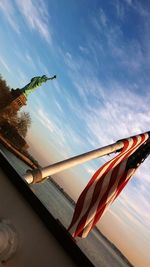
18	97
34	83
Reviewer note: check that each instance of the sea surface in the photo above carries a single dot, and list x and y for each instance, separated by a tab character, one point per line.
97	249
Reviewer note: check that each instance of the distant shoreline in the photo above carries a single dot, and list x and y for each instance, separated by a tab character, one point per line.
17	153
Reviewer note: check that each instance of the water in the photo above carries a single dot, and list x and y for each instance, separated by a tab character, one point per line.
94	246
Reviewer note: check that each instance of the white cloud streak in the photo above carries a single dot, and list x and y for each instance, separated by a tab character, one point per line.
127	53
9	11
34	12
36	16
3	62
138	7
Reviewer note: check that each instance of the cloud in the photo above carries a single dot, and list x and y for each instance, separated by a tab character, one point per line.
83	49
102	17
42	66
120	9
68	59
36	16
101	21
3	62
58	105
120	107
131	55
138	7
136	206
57	86
121	111
9	11
29	60
123	107
117	106
21	77
143	171
44	119
129	2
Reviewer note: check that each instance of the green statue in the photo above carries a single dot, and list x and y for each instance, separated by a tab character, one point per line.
35	82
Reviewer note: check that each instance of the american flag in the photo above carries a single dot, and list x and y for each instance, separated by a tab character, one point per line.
107	183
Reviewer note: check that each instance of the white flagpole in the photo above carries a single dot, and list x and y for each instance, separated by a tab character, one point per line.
38	175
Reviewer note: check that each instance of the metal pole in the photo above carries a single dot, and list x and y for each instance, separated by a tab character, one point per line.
37	175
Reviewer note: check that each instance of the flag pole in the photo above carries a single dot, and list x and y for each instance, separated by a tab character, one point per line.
40	174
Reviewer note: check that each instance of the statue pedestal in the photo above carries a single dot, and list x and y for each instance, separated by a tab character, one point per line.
18	99
18	102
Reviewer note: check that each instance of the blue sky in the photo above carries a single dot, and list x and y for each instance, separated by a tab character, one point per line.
100	51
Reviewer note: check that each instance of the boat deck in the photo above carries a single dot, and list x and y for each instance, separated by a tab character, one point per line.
43	241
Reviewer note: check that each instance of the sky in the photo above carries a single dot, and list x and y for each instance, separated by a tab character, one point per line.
100	52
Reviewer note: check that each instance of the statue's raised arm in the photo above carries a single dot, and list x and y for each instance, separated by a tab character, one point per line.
34	83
